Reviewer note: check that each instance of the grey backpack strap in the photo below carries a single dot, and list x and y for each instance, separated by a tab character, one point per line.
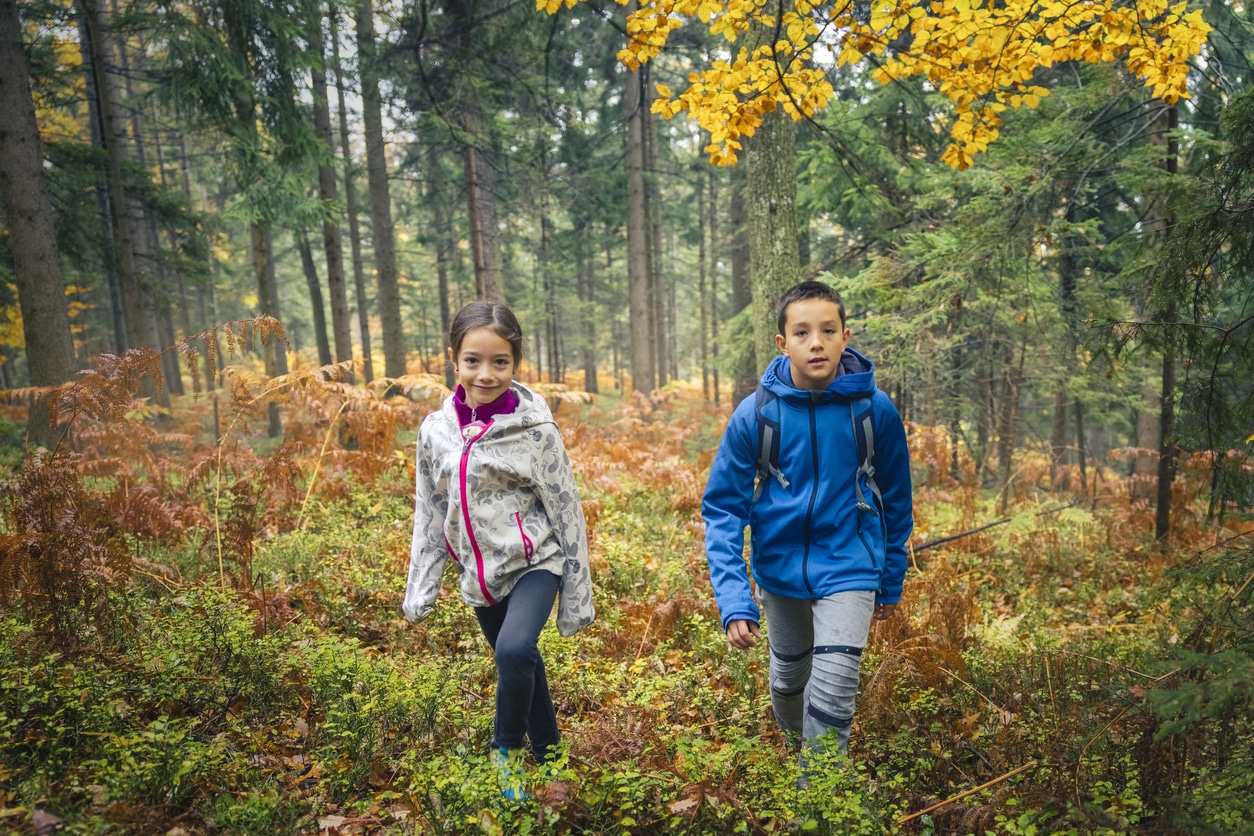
767	465
860	415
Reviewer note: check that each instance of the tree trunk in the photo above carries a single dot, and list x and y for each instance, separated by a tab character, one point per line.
350	206
1080	447
485	248
150	250
1167	122
481	197
746	376
653	211
380	196
28	216
985	417
153	297
332	243
1058	472
315	297
204	322
637	237
140	329
443	246
1144	465
772	203
180	282
268	301
584	267
1009	427
957	366
714	283
703	300
102	189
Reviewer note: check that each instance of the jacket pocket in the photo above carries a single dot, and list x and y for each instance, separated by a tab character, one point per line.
870	532
529	548
449	546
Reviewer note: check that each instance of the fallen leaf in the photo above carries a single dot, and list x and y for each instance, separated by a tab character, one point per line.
328	822
44	823
683	805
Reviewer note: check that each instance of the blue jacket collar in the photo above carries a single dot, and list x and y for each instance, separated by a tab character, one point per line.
855	378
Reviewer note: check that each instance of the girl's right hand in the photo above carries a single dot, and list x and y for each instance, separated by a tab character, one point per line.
742	634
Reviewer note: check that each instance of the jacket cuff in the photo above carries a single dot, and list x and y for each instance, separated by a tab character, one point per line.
756	618
887	596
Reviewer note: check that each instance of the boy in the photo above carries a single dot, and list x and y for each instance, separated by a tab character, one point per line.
828	548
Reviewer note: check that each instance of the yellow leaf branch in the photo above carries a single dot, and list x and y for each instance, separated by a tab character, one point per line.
981	55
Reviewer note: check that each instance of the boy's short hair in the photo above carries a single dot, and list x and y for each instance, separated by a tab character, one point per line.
807	290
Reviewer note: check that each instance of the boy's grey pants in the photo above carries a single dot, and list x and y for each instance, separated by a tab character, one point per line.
816	648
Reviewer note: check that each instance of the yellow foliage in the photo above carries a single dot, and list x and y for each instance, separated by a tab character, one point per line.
11	333
981	54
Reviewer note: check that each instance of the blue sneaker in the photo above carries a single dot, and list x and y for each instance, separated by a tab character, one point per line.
510	769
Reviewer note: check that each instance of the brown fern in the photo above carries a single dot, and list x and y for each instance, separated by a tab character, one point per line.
61	554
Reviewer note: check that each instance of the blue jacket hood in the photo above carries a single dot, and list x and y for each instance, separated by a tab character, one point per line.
855	378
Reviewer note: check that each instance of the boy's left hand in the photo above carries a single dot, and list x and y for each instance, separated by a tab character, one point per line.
883	611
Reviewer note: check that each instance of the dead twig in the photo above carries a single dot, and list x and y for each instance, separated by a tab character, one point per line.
942	540
1029	765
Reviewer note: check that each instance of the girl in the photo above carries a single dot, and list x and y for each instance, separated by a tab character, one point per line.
496	493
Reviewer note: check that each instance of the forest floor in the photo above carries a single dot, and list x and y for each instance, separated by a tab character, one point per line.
206	638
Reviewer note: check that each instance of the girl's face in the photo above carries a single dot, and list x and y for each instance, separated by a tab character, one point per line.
484	364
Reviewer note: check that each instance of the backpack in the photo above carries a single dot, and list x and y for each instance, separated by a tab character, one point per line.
766	408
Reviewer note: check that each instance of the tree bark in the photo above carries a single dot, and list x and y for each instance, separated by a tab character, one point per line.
1080	447
380	196
772	205
485	248
268	301
637	237
350	206
703	300
315	297
28	216
149	251
332	242
653	209
140	329
180	282
746	376
1167	121
149	267
713	313
1009	426
102	189
481	206
584	267
444	244
1058	472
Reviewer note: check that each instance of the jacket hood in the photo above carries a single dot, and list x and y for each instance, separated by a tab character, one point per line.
854	379
532	409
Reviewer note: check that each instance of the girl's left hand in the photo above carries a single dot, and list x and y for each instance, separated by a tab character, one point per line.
884	611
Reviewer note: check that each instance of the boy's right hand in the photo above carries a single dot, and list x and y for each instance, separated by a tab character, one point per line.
742	634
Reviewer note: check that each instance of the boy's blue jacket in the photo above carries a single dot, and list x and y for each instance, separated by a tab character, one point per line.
809	540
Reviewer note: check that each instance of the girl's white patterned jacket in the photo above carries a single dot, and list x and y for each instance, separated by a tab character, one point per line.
501	501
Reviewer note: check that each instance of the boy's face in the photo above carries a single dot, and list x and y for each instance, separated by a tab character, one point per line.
814	338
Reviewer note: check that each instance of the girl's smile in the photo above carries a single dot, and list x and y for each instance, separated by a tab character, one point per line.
484	365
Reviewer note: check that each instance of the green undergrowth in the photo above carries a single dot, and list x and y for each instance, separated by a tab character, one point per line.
1116	680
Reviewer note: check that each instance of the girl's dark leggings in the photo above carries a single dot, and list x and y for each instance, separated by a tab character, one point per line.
512	626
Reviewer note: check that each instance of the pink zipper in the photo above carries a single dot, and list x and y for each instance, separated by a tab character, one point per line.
528	547
470	532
